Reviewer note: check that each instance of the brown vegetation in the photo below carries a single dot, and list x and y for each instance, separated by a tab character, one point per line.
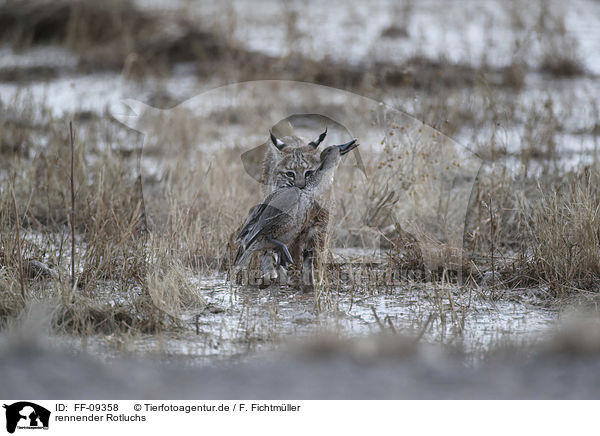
134	272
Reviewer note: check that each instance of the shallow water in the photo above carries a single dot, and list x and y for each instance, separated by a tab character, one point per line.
239	322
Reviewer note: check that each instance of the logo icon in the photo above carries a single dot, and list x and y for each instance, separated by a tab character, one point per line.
26	415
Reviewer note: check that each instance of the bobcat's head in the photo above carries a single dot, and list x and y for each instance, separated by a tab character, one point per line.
293	160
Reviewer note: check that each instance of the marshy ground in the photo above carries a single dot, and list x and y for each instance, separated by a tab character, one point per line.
485	152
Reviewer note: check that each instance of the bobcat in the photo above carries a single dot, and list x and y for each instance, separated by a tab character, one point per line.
282	216
295	211
289	161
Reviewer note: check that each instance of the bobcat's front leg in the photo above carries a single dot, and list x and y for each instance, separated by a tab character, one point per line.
314	245
307	283
268	261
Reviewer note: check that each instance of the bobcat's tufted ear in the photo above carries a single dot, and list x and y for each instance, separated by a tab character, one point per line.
315	142
277	142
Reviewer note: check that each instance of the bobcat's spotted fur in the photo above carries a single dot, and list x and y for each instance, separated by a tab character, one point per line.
289	161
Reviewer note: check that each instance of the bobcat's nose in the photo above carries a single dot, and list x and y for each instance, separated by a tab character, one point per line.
301	182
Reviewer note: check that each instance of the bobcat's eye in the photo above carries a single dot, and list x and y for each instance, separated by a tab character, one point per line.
308	174
290	175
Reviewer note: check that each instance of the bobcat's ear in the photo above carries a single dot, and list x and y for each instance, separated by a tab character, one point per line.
277	142
315	142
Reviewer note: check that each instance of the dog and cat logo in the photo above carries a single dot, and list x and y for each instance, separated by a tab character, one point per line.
26	415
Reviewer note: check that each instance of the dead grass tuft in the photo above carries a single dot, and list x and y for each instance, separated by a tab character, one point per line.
565	241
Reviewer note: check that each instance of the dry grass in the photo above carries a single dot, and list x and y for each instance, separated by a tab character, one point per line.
127	279
113	249
564	227
527	232
534	234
